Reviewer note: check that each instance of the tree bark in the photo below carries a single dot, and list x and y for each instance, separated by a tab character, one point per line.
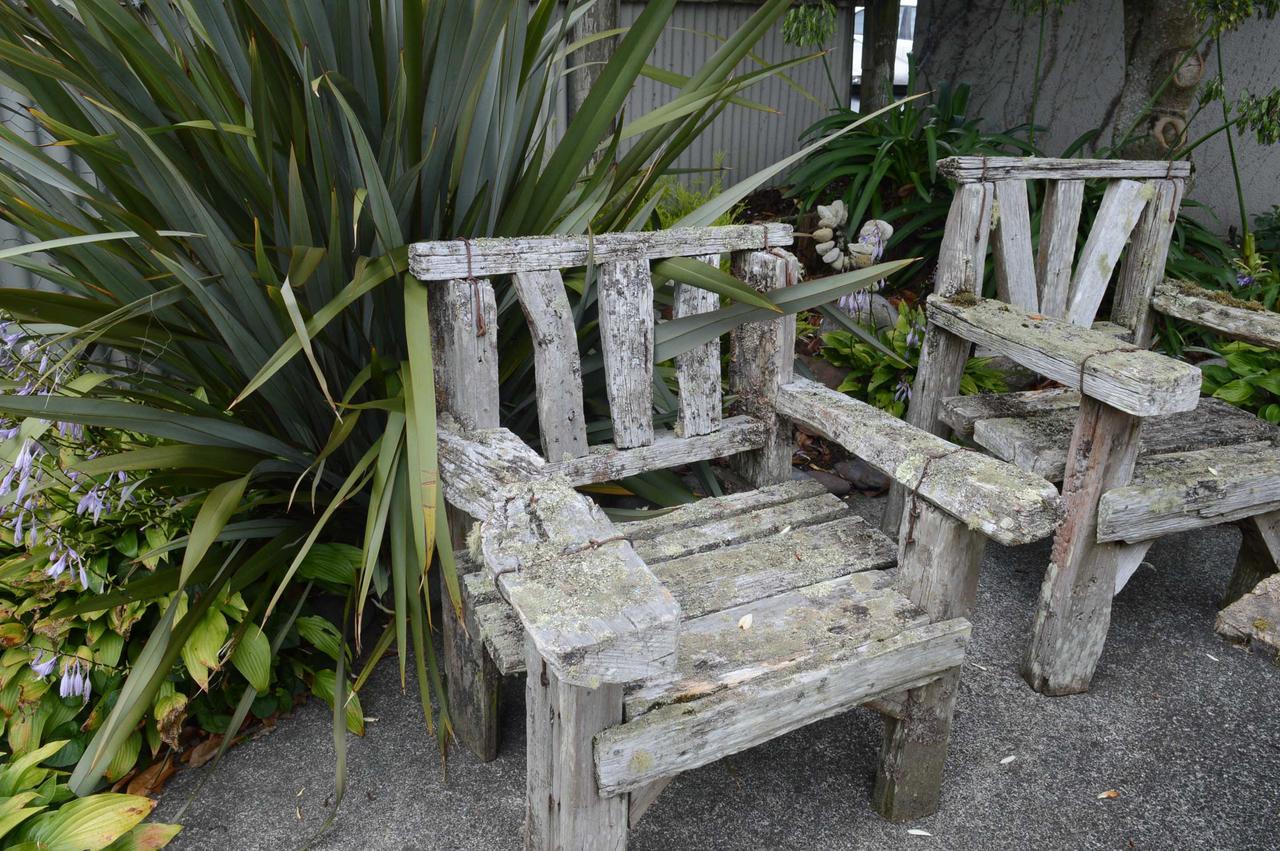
589	61
1160	39
879	51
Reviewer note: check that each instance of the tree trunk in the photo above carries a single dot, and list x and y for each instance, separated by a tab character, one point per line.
879	50
1160	38
589	61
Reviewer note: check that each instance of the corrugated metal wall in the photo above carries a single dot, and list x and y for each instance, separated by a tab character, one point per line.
749	140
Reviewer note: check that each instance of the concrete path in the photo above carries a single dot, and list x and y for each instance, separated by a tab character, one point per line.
1182	725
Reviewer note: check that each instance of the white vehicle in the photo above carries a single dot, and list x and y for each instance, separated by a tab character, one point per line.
906	34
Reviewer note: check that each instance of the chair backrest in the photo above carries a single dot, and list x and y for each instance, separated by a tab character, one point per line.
465	342
1131	233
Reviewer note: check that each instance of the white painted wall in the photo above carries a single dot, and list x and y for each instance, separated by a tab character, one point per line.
991	46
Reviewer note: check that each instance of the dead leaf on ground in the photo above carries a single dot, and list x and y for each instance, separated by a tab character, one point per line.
150	781
203	752
1108	795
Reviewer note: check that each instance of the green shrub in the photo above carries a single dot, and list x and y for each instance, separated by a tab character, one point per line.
886	381
1250	379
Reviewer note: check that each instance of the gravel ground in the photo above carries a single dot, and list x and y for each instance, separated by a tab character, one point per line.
1182	725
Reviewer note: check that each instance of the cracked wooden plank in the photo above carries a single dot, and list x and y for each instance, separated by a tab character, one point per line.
967	169
1135	381
557	366
625	298
1190	490
698	370
1056	254
1239	320
1122	205
457	258
1015	267
1003	502
1039	443
593	609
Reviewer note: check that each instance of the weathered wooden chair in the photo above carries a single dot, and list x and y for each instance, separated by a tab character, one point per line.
661	645
1139	454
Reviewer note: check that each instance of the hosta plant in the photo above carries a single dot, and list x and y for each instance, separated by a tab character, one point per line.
884	379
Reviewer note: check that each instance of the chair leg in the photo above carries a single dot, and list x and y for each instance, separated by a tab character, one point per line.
564	810
1075	599
1259	555
472	677
909	780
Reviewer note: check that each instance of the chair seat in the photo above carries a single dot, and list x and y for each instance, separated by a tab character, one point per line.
790	614
1033	430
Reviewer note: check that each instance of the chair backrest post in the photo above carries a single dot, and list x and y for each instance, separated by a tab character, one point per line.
464	337
763	354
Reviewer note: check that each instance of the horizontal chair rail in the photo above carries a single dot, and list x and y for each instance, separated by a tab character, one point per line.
976	169
1005	503
1237	320
1129	379
465	258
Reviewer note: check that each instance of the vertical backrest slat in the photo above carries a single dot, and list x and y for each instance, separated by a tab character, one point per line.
698	370
557	365
1122	204
464	335
763	354
1015	266
1063	201
962	255
1144	260
626	336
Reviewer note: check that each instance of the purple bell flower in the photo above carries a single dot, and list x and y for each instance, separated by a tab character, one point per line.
43	667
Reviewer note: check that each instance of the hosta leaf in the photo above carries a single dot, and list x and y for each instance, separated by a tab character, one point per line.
201	651
252	657
322	685
93	822
146	837
321	634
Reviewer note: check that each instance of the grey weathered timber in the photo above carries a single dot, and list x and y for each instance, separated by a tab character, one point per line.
968	169
1144	260
763	354
732	646
1071	622
1015	267
745	527
698	370
743	573
557	366
1056	254
1009	506
1259	555
1039	444
564	811
912	757
626	335
681	736
943	356
475	466
1239	320
605	462
715	509
464	332
1255	617
1190	490
1122	204
961	413
747	561
1128	562
440	261
938	565
590	605
938	560
1135	381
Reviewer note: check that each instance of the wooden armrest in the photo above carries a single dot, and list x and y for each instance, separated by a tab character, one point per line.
592	608
1239	320
1135	381
476	465
1007	504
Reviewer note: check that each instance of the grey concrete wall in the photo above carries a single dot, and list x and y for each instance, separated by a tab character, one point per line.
991	46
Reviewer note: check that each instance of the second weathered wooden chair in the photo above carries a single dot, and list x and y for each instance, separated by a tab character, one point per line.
653	647
1139	454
